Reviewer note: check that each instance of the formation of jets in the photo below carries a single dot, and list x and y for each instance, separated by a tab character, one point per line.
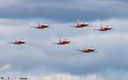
60	42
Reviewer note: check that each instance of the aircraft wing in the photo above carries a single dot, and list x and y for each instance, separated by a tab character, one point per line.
33	26
72	26
79	50
96	29
70	43
49	27
95	51
54	43
10	42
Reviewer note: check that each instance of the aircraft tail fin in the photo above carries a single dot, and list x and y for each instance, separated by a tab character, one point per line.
77	21
38	24
15	39
101	26
59	40
84	47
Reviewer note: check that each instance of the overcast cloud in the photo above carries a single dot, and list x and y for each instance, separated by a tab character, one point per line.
42	60
64	11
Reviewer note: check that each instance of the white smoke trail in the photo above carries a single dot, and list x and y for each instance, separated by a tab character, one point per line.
47	60
5	45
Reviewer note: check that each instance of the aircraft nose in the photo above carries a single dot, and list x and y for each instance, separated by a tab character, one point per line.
69	41
87	23
94	49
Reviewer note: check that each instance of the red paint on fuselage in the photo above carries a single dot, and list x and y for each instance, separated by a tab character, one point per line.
81	25
105	29
19	42
88	50
63	42
42	26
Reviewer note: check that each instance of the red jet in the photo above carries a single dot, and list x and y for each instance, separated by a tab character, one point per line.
41	26
87	50
104	28
80	25
18	42
62	42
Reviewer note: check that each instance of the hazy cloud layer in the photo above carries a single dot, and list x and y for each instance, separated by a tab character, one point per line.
40	59
64	11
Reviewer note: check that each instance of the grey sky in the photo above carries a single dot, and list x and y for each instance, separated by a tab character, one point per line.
64	11
41	57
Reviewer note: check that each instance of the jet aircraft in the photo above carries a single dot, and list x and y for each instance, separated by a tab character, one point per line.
18	42
104	28
41	26
80	25
87	50
62	42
